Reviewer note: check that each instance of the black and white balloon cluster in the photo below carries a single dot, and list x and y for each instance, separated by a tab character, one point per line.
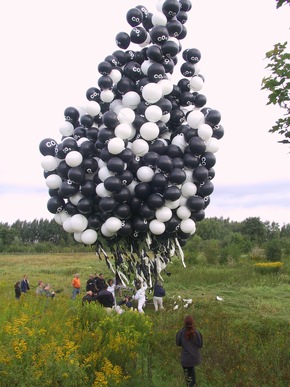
135	163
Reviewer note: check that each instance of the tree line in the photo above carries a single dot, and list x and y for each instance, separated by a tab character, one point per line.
219	240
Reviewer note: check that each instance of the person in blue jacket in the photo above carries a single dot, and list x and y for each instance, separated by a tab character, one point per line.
24	285
191	341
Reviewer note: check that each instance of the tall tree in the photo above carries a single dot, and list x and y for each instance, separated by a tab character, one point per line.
278	84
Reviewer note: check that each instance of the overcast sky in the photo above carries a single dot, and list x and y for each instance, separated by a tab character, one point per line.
50	51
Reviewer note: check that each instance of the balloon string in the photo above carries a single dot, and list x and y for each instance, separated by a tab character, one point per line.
180	251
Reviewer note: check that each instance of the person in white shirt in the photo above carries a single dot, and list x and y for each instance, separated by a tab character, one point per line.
112	288
140	295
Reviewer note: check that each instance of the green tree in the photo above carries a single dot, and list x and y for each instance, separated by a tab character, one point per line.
273	250
255	229
278	84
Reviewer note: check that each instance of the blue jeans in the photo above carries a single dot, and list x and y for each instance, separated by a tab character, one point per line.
75	292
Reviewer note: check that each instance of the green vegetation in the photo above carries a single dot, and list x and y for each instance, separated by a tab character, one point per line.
57	342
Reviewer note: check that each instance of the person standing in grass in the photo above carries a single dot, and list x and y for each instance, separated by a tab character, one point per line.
17	290
190	340
24	285
76	284
158	294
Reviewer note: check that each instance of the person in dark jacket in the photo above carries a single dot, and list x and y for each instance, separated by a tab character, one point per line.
88	297
17	290
158	294
91	285
100	282
24	285
106	298
190	340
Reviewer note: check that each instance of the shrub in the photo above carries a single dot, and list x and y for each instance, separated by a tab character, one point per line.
273	250
268	267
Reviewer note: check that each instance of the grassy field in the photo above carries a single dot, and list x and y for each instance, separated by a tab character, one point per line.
246	335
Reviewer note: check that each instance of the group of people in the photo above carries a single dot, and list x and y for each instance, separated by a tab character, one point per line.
23	286
105	291
99	290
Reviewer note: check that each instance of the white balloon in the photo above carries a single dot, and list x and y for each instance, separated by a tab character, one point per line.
67	225
165	117
163	214
166	86
76	198
166	135
183	201
212	145
116	106
104	173
188	189
115	75
152	92
78	237
149	131
197	68
145	174
131	187
113	224
196	83
79	222
146	41
49	163
74	159
53	181
106	232
188	226
63	216
188	173
116	145
89	237
131	99
92	108
179	141
124	131
172	204
81	140
204	131
195	119
101	163
159	19
153	113
107	96
145	66
126	116
102	192
156	227
183	212
57	218
140	147
66	129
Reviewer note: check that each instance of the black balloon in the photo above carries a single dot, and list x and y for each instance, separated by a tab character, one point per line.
47	147
55	204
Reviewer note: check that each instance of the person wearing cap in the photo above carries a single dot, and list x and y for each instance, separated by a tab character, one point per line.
191	341
76	284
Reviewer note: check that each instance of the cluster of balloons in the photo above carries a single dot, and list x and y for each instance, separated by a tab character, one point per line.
135	163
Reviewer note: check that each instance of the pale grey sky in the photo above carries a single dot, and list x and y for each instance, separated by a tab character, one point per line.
50	53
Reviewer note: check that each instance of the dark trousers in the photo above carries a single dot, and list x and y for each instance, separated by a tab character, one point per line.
189	374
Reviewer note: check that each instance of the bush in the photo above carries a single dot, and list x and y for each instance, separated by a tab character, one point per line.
273	250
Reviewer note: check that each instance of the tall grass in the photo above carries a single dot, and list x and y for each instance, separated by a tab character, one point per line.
59	342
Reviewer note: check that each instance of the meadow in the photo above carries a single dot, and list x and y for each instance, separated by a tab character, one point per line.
59	342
